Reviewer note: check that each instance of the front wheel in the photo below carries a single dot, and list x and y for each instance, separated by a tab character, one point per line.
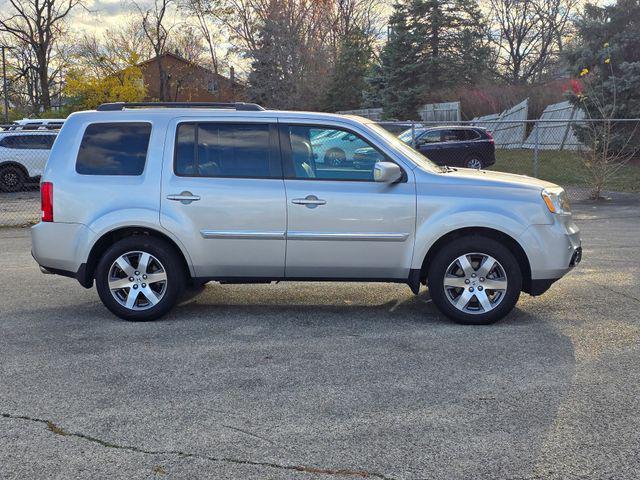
475	280
140	278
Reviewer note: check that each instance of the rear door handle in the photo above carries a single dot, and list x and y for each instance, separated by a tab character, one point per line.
310	201
184	197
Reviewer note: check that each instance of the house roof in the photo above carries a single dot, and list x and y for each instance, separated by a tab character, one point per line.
189	63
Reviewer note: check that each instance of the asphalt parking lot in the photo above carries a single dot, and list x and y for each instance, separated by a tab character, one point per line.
328	380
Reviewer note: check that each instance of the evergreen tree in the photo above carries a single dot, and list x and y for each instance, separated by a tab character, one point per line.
271	79
399	64
347	85
433	44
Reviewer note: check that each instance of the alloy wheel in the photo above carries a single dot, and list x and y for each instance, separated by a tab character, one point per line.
475	283
137	280
474	163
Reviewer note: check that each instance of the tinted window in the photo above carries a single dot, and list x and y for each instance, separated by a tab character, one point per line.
8	142
330	154
224	150
114	149
24	142
430	136
471	135
452	135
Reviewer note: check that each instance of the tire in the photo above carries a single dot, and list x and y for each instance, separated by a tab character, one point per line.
12	178
449	283
163	262
474	162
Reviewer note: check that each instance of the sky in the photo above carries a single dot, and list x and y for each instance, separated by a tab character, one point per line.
100	15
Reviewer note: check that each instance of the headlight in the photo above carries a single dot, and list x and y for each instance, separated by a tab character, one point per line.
556	200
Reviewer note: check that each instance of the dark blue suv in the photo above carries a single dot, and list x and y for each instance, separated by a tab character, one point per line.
470	147
459	146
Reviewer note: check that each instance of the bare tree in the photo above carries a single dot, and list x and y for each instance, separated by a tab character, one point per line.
208	15
39	24
610	144
154	25
528	36
113	51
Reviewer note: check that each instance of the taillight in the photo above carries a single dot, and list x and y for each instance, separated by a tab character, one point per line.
489	136
46	201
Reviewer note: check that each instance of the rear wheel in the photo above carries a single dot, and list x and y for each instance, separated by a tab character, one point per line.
140	278
473	162
475	280
12	178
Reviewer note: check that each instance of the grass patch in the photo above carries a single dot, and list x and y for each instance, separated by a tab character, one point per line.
564	168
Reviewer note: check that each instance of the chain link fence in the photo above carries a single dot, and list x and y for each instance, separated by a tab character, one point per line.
24	150
580	155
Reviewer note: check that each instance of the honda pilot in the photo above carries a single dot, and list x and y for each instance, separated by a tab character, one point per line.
149	200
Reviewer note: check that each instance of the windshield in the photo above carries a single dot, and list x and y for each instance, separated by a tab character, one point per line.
413	155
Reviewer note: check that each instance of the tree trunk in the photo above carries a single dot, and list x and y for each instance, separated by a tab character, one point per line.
163	86
43	74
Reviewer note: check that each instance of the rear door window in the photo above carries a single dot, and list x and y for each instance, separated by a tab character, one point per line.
114	148
226	150
453	135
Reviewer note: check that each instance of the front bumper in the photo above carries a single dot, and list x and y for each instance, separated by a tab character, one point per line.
552	250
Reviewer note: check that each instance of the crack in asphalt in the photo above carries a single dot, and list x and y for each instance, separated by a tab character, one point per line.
340	472
247	432
612	290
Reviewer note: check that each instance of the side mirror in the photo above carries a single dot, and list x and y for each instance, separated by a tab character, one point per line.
386	172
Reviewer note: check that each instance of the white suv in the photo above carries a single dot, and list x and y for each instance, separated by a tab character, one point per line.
150	201
23	155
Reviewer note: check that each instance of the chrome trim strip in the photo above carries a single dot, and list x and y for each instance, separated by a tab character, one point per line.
242	235
355	237
318	236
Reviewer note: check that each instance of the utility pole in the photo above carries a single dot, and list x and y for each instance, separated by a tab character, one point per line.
4	86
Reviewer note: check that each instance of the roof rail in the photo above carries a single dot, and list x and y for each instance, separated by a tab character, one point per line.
241	106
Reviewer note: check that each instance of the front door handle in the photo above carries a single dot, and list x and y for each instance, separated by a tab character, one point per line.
184	197
310	201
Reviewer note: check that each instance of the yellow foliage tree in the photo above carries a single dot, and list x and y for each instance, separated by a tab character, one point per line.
87	92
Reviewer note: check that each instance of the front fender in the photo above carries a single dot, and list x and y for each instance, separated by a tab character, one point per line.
433	227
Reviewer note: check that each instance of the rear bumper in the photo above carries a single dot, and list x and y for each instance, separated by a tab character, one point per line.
60	248
80	275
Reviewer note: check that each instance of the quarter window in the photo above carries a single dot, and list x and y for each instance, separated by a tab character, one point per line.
330	154
225	150
471	135
114	149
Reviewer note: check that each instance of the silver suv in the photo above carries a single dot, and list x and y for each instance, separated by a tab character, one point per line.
149	202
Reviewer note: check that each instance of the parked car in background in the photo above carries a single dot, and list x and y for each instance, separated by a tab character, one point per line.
459	146
36	124
23	155
334	148
147	201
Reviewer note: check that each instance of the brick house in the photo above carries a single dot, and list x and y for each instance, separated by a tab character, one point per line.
188	82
